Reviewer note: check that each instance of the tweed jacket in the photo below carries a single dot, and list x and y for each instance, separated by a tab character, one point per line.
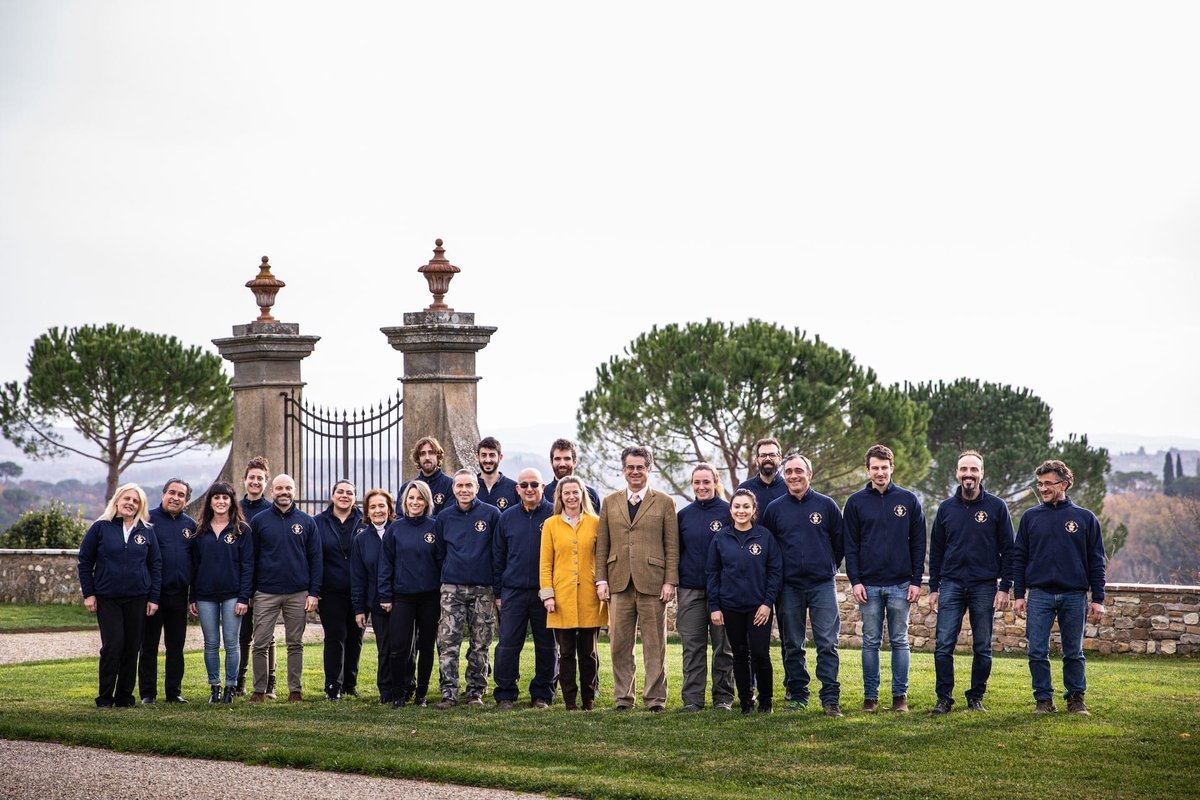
645	551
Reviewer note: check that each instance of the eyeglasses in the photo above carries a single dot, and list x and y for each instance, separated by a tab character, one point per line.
529	484
769	455
1048	484
636	468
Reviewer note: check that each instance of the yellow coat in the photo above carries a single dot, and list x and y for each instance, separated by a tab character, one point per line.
568	573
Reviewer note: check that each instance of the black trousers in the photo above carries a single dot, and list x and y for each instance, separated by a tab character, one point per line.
170	623
245	635
578	645
413	636
343	643
121	621
381	623
751	645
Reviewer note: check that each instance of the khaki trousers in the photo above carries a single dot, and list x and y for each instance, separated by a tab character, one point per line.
627	611
267	608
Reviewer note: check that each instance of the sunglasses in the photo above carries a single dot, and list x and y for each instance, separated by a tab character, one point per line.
528	484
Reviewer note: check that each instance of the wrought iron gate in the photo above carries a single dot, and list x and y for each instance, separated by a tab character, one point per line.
322	445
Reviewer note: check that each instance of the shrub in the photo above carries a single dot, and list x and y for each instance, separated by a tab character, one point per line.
52	526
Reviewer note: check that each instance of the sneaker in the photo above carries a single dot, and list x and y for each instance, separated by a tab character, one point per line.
505	705
900	703
975	705
723	706
445	703
690	708
420	702
271	688
870	706
258	697
796	705
351	693
475	701
1045	707
147	701
239	690
944	704
1075	705
540	703
589	705
656	709
833	710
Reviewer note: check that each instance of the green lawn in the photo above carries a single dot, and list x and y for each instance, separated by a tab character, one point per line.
24	618
1141	741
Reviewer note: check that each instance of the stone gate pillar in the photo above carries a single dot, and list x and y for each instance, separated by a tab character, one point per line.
266	356
440	394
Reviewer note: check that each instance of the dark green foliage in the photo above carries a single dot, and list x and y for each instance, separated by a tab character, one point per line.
1140	481
1178	465
1010	427
1184	486
10	469
53	526
706	391
1168	470
137	396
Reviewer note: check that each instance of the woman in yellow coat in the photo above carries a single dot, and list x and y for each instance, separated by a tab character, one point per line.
568	589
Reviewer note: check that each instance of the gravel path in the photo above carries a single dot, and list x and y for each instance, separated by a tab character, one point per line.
41	771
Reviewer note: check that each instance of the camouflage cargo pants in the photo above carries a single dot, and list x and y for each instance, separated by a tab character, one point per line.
469	607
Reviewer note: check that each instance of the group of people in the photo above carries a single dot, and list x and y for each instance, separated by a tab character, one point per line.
553	561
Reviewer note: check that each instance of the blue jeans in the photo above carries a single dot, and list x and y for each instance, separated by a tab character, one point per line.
1071	610
819	604
892	602
218	621
955	599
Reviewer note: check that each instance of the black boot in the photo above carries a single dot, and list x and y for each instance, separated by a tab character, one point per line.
215	697
227	697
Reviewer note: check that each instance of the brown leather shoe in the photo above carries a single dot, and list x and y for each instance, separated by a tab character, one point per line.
258	697
870	706
1075	705
833	710
900	703
294	697
1045	707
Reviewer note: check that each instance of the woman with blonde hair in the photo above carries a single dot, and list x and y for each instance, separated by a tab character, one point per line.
568	578
120	574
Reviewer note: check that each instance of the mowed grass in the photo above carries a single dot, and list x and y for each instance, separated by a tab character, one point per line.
35	618
1141	741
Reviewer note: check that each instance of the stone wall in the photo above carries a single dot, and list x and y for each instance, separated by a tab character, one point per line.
39	576
1138	618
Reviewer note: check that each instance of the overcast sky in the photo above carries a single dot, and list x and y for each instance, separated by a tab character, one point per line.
1005	192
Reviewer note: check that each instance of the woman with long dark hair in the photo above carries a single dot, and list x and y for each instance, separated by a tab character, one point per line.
380	511
120	574
222	581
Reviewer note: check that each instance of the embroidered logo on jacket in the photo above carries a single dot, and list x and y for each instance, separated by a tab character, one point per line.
139	538
297	528
188	533
502	503
230	538
1071	526
981	517
439	498
428	537
815	518
715	525
900	511
755	549
481	526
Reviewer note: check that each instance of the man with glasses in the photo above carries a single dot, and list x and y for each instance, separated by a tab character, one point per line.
516	567
968	552
768	484
640	533
176	533
1058	558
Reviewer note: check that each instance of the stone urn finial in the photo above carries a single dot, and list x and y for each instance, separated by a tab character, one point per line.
438	272
265	286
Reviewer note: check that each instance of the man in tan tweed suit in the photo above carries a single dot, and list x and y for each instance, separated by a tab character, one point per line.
637	569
